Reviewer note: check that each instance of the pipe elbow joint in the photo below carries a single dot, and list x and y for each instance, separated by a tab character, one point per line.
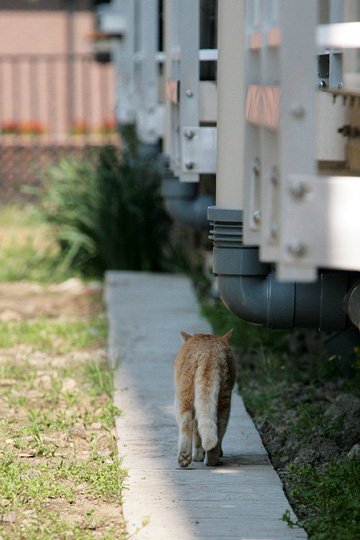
184	204
259	299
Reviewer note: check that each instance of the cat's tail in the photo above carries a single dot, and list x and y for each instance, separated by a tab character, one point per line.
207	387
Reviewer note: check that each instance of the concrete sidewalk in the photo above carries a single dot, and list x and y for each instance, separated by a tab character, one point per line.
243	498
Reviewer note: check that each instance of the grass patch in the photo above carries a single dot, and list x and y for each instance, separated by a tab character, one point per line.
55	527
33	517
101	477
332	496
24	484
58	452
64	457
27	248
57	337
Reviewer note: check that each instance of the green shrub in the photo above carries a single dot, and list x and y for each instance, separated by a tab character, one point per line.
107	213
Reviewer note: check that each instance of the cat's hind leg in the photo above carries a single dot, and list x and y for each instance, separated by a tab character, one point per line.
198	454
212	456
186	425
223	420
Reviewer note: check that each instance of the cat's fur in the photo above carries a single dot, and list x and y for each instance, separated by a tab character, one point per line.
204	378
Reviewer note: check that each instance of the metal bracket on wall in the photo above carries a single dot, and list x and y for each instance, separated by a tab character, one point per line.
320	225
122	55
198	150
150	123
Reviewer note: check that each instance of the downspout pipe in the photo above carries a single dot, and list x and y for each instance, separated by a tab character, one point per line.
251	291
184	203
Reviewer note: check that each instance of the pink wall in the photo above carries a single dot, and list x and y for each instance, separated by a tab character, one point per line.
42	32
40	94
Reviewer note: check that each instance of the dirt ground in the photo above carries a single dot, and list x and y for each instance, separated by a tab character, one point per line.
70	299
55	425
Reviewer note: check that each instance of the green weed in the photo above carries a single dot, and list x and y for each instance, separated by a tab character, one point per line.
100	378
286	517
309	418
333	497
9	370
107	414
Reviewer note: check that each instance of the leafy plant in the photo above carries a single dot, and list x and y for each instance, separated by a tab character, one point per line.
107	213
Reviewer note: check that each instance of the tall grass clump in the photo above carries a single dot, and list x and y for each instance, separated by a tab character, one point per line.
107	213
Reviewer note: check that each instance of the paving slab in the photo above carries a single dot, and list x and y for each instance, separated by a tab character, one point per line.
243	498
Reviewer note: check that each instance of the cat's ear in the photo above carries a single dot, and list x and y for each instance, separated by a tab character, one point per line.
228	335
185	336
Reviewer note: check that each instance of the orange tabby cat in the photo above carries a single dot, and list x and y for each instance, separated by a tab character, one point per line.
204	378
